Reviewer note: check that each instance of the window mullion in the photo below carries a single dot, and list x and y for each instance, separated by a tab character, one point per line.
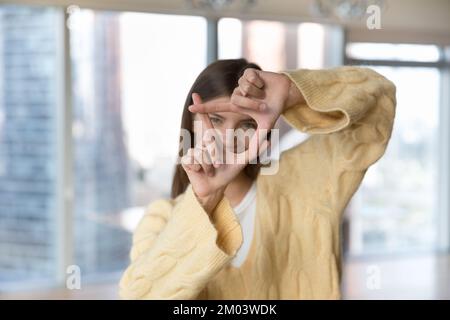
212	41
443	209
64	185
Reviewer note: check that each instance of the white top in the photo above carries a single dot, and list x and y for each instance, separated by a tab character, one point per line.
245	211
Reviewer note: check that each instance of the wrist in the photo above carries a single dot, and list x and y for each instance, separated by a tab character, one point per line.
210	202
294	95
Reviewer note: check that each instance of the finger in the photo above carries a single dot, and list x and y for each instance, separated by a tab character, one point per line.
213	151
263	154
206	135
257	145
249	89
264	147
210	107
207	164
196	98
185	163
194	167
188	161
204	117
220	152
244	102
252	75
202	157
212	142
219	148
197	167
207	123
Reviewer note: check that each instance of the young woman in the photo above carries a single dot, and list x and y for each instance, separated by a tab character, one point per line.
230	232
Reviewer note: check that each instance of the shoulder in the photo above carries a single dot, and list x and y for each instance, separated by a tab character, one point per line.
160	204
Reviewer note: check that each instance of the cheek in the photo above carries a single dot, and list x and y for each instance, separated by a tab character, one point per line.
245	142
238	143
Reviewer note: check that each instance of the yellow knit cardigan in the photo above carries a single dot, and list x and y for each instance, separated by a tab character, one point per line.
179	252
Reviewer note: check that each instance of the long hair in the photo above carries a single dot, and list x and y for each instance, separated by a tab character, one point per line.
218	79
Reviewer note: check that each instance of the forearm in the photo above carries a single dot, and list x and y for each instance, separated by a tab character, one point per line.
335	98
190	249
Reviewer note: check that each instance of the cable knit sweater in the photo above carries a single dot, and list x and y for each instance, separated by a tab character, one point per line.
179	252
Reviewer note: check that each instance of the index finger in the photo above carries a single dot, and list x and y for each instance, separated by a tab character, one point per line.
252	75
203	116
211	107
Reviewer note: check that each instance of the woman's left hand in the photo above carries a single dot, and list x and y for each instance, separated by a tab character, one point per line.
262	95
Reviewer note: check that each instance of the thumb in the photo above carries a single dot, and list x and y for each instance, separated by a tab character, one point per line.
258	144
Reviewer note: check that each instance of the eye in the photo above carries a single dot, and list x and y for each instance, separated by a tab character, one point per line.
215	120
248	125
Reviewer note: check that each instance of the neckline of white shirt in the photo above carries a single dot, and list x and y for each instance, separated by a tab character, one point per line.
246	201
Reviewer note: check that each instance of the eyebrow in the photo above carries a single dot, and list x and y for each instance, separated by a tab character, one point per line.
216	115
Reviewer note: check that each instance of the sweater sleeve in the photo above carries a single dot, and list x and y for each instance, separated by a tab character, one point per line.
349	112
177	248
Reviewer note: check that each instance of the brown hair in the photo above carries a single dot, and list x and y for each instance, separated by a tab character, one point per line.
218	79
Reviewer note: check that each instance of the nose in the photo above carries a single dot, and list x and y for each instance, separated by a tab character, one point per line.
235	140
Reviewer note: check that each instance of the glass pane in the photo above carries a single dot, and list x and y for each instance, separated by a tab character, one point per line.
259	41
230	38
395	208
131	75
390	51
276	46
311	46
28	52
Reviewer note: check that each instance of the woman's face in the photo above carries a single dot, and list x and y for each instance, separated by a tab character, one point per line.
223	121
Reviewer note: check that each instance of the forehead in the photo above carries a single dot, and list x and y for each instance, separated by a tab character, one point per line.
228	115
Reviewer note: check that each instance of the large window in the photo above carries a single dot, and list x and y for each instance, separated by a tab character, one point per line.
130	74
396	208
28	99
276	46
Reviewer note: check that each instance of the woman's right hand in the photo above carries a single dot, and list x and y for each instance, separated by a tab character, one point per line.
210	180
